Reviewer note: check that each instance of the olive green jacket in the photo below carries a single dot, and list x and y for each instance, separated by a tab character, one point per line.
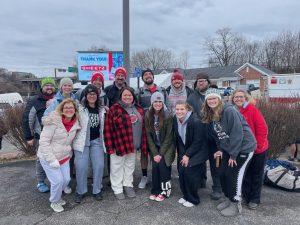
167	146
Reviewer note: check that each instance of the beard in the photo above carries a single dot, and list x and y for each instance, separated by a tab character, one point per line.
148	82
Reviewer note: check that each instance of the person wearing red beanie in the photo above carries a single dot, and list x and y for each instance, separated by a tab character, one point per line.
177	91
98	80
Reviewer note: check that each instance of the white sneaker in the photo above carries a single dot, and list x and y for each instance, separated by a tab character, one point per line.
188	204
68	190
56	207
143	182
61	202
181	201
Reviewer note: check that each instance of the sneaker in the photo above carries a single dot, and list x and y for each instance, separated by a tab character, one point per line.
42	187
98	197
129	191
68	190
143	182
160	198
56	207
181	201
252	205
215	195
290	158
61	202
188	204
152	197
78	197
120	196
233	209
223	205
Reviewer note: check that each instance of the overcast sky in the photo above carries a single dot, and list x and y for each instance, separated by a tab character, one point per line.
38	35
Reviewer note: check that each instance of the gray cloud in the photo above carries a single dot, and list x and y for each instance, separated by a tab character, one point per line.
37	36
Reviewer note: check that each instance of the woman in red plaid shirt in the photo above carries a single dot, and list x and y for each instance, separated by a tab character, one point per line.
124	134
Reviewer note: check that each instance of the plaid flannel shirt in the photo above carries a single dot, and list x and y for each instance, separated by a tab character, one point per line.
118	135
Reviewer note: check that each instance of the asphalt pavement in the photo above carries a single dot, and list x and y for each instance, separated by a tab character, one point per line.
21	203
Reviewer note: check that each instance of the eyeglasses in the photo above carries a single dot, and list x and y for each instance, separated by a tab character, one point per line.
69	108
236	97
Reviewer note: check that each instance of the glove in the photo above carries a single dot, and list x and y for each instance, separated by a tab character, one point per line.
55	164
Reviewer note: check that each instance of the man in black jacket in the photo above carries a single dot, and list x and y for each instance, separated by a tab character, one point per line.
196	100
113	91
32	124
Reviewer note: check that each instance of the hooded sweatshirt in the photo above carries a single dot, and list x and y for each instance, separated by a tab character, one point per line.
232	133
176	95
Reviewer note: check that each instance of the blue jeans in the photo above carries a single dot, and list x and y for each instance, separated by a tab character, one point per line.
96	154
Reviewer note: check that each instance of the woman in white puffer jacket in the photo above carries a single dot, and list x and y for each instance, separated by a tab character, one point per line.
55	149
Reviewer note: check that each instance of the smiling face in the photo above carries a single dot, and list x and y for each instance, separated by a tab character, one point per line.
177	83
48	89
148	78
66	89
213	102
127	97
91	98
68	110
120	79
239	99
157	105
97	82
202	85
181	111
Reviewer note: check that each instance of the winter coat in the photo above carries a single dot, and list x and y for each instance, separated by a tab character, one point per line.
195	146
258	126
82	138
58	98
196	100
167	146
55	142
118	136
112	93
32	116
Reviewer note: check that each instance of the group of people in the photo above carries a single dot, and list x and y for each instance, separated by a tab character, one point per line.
156	123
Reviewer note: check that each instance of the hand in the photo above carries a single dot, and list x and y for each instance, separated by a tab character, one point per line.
55	164
30	142
232	162
157	158
185	161
218	154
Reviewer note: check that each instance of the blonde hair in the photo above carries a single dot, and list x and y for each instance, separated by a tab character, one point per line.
59	108
246	95
209	115
186	105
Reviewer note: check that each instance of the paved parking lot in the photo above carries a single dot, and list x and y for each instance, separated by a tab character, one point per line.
21	203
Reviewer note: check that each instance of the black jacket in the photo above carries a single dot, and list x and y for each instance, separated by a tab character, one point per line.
112	93
34	111
195	146
196	100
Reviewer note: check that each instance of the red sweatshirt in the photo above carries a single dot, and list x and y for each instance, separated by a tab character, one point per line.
258	126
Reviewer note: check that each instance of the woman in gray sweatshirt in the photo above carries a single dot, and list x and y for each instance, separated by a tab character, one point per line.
235	143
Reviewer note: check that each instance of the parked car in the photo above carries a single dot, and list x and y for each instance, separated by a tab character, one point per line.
228	91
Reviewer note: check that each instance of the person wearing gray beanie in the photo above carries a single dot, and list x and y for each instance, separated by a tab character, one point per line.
157	96
65	81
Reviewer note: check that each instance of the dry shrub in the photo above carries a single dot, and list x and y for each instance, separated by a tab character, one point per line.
283	120
14	120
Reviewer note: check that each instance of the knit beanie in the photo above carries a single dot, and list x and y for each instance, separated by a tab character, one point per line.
89	89
120	70
203	76
177	75
65	80
212	92
147	70
97	75
48	80
157	96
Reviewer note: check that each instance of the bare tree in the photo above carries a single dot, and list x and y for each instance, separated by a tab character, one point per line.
183	59
154	58
224	49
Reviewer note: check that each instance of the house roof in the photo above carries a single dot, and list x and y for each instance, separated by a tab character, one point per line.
261	69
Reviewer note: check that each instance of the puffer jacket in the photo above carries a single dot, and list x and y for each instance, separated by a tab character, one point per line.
55	142
82	137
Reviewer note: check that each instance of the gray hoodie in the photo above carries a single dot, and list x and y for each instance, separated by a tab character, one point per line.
232	133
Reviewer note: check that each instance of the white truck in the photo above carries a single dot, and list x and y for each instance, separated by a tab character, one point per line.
284	87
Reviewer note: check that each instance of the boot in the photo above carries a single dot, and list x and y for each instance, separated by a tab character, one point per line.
233	209
224	204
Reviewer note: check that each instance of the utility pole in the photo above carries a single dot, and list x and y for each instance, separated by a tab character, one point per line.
126	49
